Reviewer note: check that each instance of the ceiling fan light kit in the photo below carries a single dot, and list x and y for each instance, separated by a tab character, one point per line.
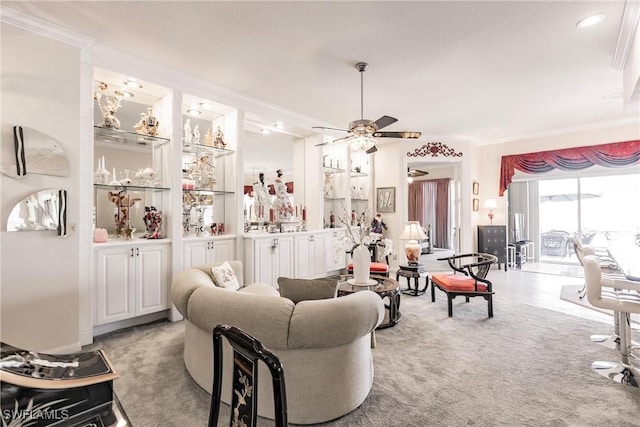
364	131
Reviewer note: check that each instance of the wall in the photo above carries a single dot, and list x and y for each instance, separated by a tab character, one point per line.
489	174
39	280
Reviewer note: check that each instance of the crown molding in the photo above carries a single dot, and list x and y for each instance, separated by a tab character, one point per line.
43	28
626	33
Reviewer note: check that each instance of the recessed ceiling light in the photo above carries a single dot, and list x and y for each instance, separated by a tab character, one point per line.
278	125
133	83
205	104
124	93
194	112
590	21
265	131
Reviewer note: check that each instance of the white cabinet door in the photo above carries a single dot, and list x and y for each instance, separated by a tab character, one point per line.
264	266
152	280
303	261
195	253
115	287
284	259
311	255
223	250
131	281
318	255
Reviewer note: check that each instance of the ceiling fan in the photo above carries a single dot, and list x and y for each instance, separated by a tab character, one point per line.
362	132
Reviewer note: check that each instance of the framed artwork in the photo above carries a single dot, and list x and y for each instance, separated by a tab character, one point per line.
476	188
476	205
386	199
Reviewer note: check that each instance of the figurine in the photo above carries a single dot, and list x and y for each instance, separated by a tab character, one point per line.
378	225
282	203
141	126
218	139
196	135
153	222
121	216
151	123
188	136
207	172
208	138
261	194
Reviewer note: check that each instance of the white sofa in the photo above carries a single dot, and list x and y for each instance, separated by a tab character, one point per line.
324	345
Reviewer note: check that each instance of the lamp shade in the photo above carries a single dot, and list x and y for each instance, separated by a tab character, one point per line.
412	232
490	204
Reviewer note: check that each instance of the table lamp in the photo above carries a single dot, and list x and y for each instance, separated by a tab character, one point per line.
412	232
491	205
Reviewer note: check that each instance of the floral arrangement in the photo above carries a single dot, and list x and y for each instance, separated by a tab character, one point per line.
362	236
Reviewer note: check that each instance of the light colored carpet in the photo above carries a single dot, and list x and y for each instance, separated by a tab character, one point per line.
527	367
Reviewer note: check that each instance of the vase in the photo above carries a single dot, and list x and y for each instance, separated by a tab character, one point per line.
361	264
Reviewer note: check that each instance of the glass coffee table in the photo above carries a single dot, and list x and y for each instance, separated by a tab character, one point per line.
387	288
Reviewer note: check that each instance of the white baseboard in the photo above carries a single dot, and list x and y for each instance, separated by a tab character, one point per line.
141	320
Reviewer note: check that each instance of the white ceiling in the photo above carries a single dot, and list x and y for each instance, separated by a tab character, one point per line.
486	71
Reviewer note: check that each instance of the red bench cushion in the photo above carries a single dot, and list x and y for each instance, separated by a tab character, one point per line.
377	267
457	283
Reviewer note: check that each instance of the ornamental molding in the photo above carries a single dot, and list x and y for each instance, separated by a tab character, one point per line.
434	149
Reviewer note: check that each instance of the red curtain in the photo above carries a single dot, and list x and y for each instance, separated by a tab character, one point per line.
614	155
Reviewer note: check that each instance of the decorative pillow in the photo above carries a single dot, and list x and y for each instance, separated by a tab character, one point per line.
308	289
225	277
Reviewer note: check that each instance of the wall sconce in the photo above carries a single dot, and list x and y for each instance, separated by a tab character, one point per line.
491	205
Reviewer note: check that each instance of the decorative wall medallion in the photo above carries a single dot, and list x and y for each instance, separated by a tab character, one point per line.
434	149
33	152
40	211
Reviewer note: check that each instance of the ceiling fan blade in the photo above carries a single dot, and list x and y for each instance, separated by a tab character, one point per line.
372	150
413	173
385	121
324	127
331	142
400	134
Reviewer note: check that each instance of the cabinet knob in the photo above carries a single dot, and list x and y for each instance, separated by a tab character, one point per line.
131	252
137	251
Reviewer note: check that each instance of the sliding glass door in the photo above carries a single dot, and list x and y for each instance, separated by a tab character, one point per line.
601	211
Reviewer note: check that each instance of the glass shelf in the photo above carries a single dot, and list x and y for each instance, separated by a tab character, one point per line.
205	191
129	187
117	136
358	174
334	198
328	169
198	148
359	200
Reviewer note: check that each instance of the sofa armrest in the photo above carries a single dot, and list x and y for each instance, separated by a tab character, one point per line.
185	283
334	322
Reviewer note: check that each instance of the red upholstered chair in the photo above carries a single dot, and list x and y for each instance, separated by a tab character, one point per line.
468	279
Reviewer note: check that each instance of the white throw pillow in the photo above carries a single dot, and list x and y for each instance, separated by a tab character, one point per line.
224	277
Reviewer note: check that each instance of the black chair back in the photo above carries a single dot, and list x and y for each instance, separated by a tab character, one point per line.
247	351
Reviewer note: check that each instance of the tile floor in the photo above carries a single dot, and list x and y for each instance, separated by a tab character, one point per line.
540	286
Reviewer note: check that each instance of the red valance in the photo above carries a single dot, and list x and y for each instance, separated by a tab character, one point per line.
614	155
